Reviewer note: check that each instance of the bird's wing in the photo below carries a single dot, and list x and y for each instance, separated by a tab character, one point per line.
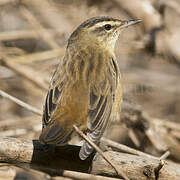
54	94
101	100
52	132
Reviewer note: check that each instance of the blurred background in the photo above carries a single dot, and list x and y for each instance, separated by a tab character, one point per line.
33	38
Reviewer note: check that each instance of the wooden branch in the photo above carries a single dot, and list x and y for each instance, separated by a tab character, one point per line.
32	152
138	168
45	158
49	158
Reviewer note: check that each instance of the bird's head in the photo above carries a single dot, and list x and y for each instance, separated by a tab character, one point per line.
103	31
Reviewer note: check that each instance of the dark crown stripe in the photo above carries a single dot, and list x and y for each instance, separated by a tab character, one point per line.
91	22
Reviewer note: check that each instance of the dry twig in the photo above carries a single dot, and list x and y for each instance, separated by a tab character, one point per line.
118	171
21	103
126	149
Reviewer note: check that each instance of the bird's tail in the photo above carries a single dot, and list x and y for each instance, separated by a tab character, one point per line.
54	134
86	148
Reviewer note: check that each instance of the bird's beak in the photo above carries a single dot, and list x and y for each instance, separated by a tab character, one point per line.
129	23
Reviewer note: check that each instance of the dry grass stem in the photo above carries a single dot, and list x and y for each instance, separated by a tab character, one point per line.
39	28
21	103
39	56
133	137
164	156
125	148
21	34
83	176
26	72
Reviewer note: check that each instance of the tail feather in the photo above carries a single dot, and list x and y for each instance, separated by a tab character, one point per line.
85	151
94	136
86	148
54	135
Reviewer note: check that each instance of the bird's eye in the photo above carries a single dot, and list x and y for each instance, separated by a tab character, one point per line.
107	27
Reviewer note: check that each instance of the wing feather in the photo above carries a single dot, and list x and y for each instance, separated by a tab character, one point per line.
52	133
101	103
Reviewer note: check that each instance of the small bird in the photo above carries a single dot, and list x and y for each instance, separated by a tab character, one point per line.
85	89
